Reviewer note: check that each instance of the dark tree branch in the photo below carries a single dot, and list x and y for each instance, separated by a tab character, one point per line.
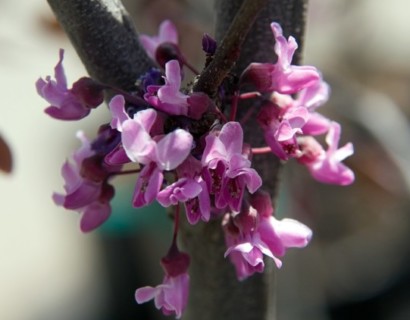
228	51
105	39
215	291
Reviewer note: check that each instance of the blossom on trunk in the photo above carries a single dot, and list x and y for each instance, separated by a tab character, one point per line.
280	126
69	104
227	171
282	77
171	296
169	99
250	234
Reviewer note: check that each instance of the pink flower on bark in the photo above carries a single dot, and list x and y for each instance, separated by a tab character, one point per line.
327	166
169	99
282	77
191	190
69	104
227	171
171	297
258	233
280	126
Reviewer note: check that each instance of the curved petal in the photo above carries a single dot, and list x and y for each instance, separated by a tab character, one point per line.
231	136
145	294
94	215
137	142
173	149
118	113
168	32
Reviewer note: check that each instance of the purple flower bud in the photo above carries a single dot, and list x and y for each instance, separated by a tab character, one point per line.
208	44
89	92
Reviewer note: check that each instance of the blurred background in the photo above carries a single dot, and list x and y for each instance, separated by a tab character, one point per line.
358	264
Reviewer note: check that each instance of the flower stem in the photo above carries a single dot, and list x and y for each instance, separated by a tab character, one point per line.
261	150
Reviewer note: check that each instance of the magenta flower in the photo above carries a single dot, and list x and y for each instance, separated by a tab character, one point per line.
326	166
271	237
169	99
311	98
69	104
90	197
226	170
246	254
278	235
172	295
165	154
280	126
282	77
167	34
250	234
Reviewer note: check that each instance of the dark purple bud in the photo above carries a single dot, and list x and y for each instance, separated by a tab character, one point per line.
208	44
89	92
175	262
167	51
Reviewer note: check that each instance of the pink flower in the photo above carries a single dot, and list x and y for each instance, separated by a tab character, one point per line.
167	33
326	166
311	98
165	154
279	235
170	100
250	234
89	196
171	297
246	254
226	170
69	104
282	77
280	125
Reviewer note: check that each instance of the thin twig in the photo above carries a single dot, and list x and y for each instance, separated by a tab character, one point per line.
228	52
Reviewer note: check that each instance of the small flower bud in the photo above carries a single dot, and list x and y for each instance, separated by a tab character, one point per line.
208	44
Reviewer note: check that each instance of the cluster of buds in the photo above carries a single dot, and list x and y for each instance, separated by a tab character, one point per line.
189	152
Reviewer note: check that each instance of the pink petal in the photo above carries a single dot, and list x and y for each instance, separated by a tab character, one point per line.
94	215
173	149
292	233
137	142
168	32
148	184
231	136
117	109
87	193
145	294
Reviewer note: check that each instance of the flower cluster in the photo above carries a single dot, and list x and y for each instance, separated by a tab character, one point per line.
188	153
